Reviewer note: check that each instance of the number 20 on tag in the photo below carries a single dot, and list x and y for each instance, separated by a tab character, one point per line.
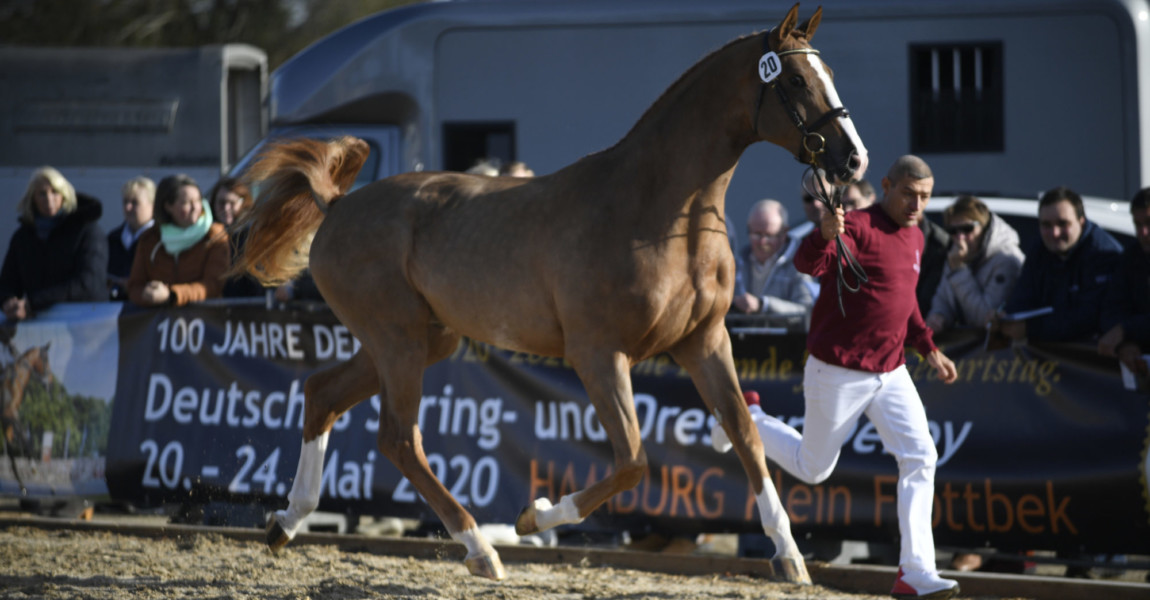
769	67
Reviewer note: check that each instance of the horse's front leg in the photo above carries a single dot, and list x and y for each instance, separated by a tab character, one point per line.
607	379
327	395
707	356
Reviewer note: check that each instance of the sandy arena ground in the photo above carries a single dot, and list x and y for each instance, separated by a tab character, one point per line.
36	563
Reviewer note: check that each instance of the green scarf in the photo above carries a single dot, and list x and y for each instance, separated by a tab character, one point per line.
176	239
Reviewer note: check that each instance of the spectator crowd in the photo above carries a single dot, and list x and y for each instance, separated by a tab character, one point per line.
174	247
1075	284
1079	284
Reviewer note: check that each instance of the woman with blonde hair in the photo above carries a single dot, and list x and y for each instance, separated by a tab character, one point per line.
982	266
139	198
183	259
59	253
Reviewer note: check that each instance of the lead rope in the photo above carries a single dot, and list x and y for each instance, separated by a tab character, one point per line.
831	201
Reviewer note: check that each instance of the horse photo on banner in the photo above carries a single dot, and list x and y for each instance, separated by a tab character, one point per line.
59	378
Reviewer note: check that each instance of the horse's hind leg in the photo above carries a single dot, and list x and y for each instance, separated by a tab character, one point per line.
401	441
607	380
327	395
707	357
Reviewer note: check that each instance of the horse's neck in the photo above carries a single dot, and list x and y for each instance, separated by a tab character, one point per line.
687	145
22	370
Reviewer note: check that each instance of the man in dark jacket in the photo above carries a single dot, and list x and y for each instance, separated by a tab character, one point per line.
59	253
1126	311
934	251
1068	272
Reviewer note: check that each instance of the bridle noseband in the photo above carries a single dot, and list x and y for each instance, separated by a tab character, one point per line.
810	133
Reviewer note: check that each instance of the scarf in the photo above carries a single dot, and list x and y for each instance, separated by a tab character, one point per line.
45	225
176	239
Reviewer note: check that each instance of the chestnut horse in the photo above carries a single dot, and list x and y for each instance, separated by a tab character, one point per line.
613	259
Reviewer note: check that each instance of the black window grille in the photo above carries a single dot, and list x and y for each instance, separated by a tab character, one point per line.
956	99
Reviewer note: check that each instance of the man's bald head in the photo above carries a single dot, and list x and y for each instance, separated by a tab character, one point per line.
911	166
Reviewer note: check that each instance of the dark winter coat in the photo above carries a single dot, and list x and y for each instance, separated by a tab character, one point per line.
1128	297
70	266
120	260
1074	287
934	251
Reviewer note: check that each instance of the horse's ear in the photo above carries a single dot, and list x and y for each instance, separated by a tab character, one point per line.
808	28
787	25
45	348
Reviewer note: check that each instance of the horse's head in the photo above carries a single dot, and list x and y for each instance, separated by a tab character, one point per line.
797	106
37	358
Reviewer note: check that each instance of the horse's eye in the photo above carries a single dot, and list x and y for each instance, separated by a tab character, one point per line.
797	81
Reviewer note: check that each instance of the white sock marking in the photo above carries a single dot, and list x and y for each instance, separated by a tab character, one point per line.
476	544
563	513
304	495
776	523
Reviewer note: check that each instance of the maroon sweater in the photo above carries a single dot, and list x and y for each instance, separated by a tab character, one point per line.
882	318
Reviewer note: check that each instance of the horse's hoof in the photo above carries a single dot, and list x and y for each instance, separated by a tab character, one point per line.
277	538
790	570
485	565
525	523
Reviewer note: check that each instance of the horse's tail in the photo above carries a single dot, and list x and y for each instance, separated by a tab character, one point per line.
297	180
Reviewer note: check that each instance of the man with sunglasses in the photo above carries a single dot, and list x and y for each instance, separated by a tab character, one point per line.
981	269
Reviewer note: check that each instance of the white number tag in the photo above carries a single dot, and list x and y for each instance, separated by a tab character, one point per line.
769	67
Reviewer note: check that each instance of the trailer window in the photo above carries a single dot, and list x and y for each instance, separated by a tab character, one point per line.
464	143
956	101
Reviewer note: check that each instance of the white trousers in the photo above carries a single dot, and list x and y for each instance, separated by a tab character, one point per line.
836	398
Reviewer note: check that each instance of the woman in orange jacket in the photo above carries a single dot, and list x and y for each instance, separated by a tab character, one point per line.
183	259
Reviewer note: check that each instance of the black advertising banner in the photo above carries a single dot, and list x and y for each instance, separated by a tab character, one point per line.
1038	447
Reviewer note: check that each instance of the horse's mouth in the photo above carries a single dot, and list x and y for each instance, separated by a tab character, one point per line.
853	168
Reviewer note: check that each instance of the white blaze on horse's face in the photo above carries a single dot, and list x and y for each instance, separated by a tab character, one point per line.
832	99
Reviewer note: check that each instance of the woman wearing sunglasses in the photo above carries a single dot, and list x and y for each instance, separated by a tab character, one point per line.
981	268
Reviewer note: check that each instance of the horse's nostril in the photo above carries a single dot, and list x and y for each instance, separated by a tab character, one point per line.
854	162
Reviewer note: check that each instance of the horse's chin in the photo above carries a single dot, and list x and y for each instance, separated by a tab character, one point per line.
842	172
842	175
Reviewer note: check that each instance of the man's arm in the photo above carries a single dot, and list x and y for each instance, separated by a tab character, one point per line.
816	254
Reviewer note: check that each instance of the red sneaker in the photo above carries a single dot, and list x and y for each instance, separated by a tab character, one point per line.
923	585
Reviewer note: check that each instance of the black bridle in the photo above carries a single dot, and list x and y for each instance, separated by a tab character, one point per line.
810	133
